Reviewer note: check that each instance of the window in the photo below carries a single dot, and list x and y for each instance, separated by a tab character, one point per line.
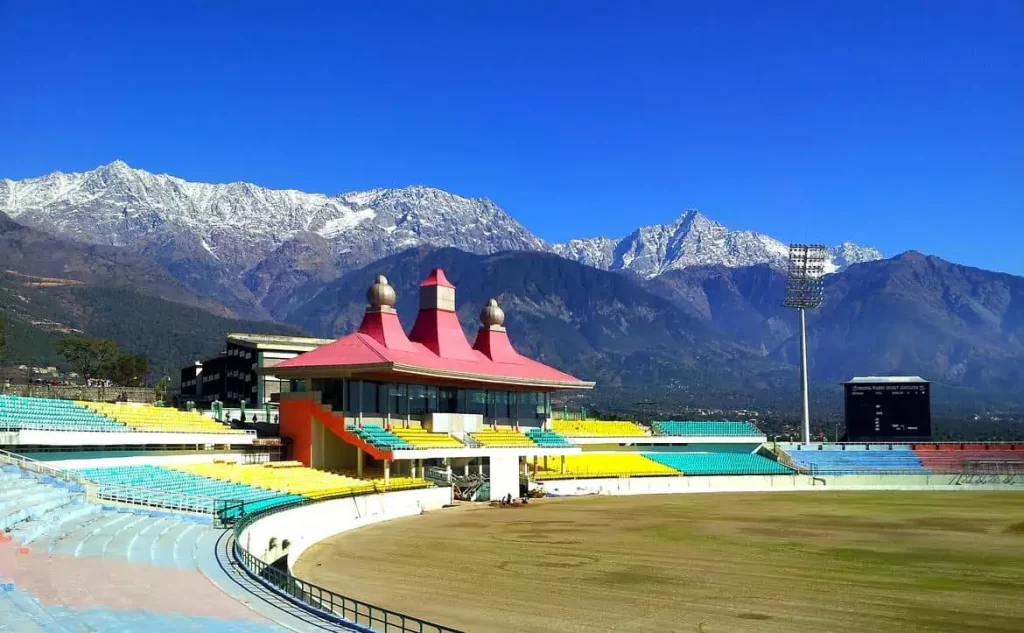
417	399
369	395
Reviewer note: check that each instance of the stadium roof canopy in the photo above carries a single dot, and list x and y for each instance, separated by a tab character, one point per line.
435	350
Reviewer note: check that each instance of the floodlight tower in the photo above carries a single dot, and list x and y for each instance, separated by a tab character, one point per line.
804	290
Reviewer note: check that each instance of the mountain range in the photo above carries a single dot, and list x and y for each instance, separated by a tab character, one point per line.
688	308
250	247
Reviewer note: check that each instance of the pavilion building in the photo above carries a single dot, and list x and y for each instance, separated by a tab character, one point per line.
382	398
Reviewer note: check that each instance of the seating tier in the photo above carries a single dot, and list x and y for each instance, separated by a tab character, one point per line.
602	465
503	438
857	460
596	428
379	437
294	478
705	429
177	488
720	463
160	419
422	438
49	414
548	439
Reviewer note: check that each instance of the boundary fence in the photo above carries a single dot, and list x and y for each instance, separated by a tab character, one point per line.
314	598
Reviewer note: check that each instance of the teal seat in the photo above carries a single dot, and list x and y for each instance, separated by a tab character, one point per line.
706	429
720	463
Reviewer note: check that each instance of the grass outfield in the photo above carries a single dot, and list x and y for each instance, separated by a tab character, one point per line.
714	563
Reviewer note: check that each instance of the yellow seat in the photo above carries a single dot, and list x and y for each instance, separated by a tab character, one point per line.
142	417
422	438
503	437
602	465
596	428
294	478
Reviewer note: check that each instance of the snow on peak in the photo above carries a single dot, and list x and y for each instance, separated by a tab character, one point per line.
243	223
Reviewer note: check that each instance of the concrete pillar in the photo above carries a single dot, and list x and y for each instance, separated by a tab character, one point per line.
359	463
412	466
465	469
526	471
421	467
480	467
562	471
535	466
387	472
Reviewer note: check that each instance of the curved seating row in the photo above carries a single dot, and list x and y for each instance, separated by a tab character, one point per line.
705	429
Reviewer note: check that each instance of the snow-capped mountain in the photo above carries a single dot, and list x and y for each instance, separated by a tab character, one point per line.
693	239
212	233
240	223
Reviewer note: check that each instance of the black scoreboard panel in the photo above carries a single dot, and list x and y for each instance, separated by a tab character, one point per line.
888	411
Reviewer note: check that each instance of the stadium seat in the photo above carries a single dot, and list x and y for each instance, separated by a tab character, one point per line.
720	463
596	428
295	479
852	460
422	438
706	429
379	437
179	489
159	419
503	437
602	465
548	439
972	458
49	414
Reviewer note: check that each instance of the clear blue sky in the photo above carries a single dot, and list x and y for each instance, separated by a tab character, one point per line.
897	124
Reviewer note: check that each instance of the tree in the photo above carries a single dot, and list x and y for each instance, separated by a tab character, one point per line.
88	356
128	370
3	336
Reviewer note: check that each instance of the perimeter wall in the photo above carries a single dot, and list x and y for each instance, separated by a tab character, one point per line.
307	525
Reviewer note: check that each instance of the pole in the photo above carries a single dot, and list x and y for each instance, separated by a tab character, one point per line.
803	376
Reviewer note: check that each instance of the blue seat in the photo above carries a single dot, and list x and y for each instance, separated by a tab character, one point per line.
720	463
841	460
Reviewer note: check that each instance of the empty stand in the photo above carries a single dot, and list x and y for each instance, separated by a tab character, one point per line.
181	490
503	437
295	479
422	438
706	429
852	460
720	463
596	428
603	465
548	439
48	414
159	419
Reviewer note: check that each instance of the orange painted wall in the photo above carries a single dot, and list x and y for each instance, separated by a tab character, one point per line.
297	424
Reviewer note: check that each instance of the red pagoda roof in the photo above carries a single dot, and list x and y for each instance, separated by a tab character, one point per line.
438	350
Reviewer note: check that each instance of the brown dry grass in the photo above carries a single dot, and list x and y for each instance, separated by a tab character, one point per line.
795	562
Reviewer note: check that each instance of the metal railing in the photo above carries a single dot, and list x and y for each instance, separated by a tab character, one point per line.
316	599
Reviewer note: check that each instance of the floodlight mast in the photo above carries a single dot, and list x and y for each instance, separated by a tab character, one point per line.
804	289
